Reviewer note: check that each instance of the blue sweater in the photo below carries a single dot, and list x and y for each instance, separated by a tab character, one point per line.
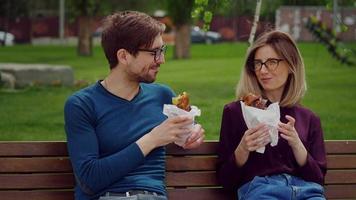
101	132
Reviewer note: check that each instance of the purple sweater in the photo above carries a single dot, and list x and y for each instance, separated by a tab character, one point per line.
275	160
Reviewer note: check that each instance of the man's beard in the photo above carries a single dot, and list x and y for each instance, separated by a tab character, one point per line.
148	78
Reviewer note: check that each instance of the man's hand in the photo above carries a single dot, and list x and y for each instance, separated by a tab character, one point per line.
196	138
167	132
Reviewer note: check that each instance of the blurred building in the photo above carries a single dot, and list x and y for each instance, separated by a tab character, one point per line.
292	19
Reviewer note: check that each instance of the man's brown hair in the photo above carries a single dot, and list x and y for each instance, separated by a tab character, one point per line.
129	30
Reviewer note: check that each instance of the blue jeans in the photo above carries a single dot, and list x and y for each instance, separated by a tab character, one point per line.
280	187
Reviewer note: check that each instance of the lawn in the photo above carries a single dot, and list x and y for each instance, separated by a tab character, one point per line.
210	77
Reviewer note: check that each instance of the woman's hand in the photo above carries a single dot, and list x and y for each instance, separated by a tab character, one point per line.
289	133
253	139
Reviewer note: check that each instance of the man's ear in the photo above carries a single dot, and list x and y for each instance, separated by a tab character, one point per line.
123	56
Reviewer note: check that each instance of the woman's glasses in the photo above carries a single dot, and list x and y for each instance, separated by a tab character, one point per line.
271	64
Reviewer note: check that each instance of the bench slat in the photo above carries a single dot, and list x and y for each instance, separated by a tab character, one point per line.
341	177
340	191
37	195
198	163
189	179
173	179
341	161
340	146
207	148
200	194
332	192
208	178
190	163
36	181
53	164
33	149
52	148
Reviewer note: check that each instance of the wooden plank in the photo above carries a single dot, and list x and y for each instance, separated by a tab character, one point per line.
36	181
200	194
210	147
340	191
340	177
331	191
208	178
35	164
59	148
195	163
33	149
201	163
37	195
340	146
341	161
191	179
207	148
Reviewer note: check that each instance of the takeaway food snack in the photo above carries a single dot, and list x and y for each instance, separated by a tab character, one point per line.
255	101
255	111
181	106
182	101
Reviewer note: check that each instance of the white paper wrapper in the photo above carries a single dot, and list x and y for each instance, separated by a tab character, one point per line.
253	116
173	111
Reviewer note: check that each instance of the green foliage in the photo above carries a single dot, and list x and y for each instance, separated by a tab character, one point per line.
203	10
180	11
84	7
11	9
328	37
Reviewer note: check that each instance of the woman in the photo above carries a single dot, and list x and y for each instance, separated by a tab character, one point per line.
296	167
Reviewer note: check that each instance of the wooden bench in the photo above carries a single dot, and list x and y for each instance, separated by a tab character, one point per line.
42	171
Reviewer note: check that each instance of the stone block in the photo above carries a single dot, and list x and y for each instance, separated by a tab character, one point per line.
39	74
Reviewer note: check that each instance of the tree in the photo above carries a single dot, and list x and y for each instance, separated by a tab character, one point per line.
85	10
180	12
255	21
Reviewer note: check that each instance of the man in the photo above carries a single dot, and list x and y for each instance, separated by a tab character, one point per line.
116	130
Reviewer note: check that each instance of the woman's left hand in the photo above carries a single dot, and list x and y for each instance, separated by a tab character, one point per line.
289	133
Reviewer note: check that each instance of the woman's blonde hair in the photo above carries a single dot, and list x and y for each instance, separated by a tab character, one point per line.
286	48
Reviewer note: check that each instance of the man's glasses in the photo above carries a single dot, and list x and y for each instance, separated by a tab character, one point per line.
271	64
157	53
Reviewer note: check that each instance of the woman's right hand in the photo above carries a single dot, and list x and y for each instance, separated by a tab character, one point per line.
253	139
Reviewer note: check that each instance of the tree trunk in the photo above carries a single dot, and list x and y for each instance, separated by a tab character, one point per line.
182	42
255	22
85	40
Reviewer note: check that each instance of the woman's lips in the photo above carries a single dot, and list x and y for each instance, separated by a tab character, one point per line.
265	80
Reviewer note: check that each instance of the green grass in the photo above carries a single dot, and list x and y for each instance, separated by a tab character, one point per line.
210	77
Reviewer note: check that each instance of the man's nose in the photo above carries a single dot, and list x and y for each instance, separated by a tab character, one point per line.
161	59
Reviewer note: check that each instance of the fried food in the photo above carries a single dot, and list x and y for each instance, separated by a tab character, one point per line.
182	101
255	101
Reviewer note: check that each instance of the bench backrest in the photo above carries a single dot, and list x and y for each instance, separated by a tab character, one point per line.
42	171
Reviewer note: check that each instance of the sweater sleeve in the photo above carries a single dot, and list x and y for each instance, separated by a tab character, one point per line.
227	171
94	173
315	167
